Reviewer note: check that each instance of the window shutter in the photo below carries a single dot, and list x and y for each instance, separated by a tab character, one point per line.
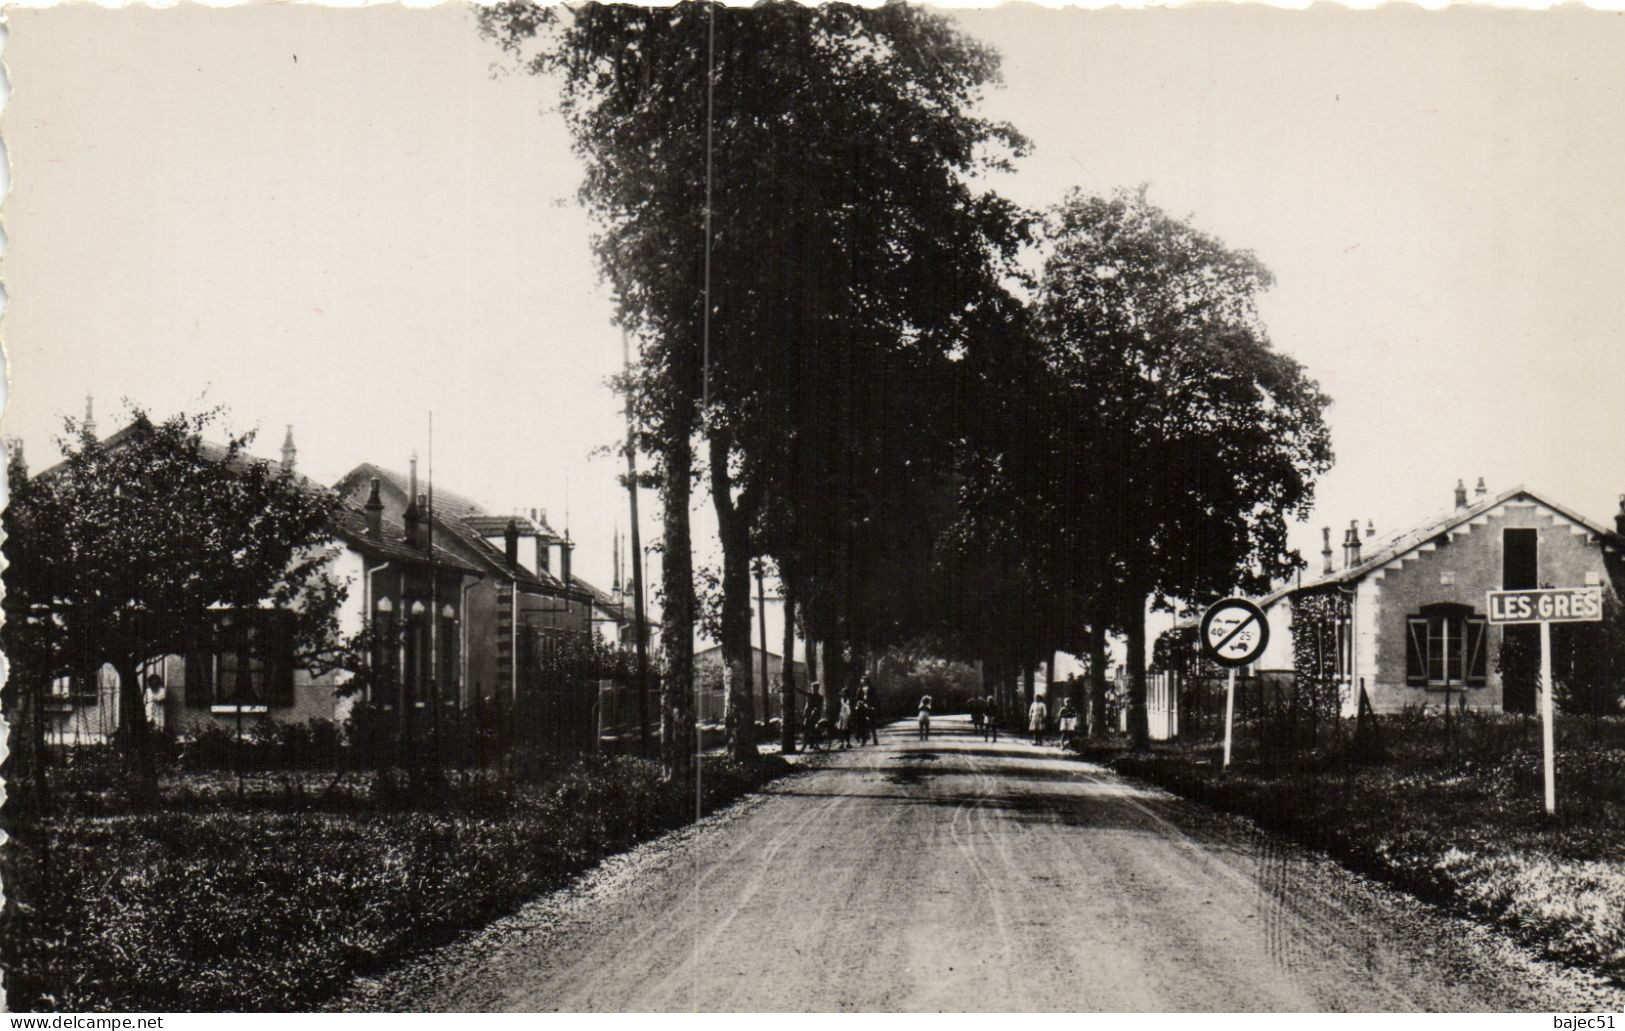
1477	651
1416	651
200	669
278	643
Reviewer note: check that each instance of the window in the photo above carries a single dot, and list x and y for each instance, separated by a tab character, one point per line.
77	688
449	643
247	661
1446	646
1520	567
385	656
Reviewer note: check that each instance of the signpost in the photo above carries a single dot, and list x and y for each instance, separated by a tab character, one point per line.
1545	607
1234	632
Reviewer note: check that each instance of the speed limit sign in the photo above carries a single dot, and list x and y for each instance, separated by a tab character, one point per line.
1234	632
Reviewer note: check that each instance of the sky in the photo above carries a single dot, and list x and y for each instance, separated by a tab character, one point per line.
346	219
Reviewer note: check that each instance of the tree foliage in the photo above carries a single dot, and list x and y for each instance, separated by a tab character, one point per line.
803	284
123	552
1195	442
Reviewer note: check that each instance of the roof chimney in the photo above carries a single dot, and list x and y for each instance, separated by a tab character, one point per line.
14	455
1351	545
564	558
88	427
1326	548
289	452
410	518
1461	494
533	515
1370	529
1619	517
412	485
510	541
375	512
1480	490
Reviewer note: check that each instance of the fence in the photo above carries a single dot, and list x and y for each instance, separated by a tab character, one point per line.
1192	707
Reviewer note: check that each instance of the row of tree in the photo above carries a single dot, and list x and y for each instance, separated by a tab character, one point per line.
841	339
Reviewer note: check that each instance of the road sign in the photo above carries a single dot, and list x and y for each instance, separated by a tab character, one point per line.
1234	632
1552	605
1545	607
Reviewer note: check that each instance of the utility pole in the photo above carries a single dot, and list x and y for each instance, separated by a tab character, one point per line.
639	631
434	615
761	622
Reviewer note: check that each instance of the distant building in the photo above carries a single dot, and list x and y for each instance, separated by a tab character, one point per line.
244	669
708	680
527	598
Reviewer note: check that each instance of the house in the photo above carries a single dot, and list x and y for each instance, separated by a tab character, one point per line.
711	700
526	599
244	669
1407	612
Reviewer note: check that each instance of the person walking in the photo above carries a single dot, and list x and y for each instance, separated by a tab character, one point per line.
867	697
812	716
1069	720
925	717
990	719
1037	716
843	720
863	720
975	708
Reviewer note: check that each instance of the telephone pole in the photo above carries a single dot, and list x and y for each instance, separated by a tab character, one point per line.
639	628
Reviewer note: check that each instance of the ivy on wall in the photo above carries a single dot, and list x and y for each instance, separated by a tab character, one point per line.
1319	692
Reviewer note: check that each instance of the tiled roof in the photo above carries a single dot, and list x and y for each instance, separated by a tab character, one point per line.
207	448
1374	555
497	525
349	523
453	513
604	600
351	526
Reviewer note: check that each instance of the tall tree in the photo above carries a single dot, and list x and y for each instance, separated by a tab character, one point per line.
806	282
1205	441
133	543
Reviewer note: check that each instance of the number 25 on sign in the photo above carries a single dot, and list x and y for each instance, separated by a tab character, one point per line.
1545	607
1233	632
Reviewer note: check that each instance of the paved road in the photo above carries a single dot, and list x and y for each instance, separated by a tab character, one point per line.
961	875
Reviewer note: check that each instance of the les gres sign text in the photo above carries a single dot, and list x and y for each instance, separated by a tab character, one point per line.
1551	605
1545	607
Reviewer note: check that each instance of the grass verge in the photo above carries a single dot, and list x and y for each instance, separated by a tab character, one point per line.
217	907
1465	831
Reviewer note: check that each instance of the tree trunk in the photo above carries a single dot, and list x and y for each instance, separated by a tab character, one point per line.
812	662
1097	676
137	735
787	682
1029	682
733	530
677	744
1138	726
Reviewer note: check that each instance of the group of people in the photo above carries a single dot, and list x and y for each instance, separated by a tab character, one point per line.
984	717
853	716
856	716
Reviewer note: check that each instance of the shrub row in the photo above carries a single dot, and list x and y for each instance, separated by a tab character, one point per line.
189	909
1468	833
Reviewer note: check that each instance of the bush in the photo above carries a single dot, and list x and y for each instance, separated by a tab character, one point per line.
1454	816
192	908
